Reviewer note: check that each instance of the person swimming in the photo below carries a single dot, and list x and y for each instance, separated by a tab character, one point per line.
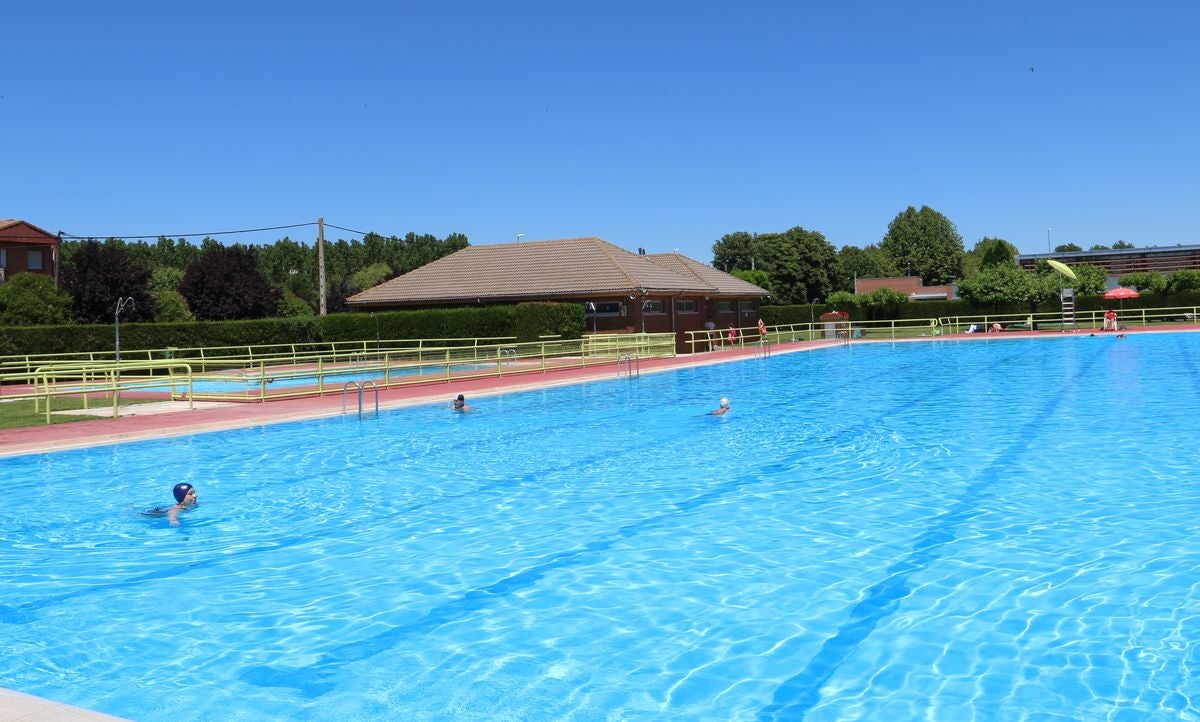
185	499
722	409
460	403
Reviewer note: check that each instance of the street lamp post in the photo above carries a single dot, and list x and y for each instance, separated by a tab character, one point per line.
122	305
376	334
1049	248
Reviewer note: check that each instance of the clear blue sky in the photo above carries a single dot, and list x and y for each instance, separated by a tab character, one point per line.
661	124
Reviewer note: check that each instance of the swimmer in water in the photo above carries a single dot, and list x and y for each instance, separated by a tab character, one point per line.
722	409
185	498
460	403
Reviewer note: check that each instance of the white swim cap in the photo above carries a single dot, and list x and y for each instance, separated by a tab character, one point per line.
724	401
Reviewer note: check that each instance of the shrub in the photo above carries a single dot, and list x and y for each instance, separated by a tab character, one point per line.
536	319
1182	281
292	305
170	306
31	299
1145	281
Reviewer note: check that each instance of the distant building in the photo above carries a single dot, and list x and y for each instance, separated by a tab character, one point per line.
619	290
1124	260
25	248
908	285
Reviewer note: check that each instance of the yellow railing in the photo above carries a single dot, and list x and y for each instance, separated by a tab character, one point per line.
1084	320
748	336
215	357
433	364
313	374
107	380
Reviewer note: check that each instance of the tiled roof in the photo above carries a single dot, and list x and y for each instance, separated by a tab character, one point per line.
18	231
566	268
722	283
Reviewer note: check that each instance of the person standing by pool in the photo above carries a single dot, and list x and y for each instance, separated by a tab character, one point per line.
1110	320
732	336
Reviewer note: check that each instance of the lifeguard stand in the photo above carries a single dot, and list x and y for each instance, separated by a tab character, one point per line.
1067	297
836	324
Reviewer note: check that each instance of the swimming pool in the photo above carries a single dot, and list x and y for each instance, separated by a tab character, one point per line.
940	530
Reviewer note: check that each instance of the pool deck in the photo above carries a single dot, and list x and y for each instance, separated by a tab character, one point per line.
149	421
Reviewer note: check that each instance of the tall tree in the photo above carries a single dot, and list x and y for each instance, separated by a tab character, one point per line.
98	275
224	283
925	243
800	264
737	251
989	252
854	263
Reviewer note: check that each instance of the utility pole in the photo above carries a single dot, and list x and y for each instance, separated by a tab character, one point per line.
321	260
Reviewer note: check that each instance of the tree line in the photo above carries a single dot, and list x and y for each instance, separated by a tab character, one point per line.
175	280
799	266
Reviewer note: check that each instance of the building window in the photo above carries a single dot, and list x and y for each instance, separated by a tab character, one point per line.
724	306
3	258
603	308
747	308
652	306
685	305
33	260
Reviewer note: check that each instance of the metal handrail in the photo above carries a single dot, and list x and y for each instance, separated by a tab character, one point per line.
633	365
82	380
360	386
412	367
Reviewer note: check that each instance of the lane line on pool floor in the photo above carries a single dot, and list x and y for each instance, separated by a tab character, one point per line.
316	679
797	695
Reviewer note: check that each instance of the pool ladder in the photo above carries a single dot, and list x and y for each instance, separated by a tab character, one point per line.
632	365
360	386
762	349
507	356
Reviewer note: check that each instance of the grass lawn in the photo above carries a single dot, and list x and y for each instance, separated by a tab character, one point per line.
15	414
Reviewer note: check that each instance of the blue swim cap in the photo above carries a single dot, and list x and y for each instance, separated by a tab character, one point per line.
181	490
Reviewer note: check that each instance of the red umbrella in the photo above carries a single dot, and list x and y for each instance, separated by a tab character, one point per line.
1121	293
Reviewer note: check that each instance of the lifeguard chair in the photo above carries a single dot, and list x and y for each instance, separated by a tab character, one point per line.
836	324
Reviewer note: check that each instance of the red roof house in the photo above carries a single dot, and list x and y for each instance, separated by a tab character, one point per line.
25	248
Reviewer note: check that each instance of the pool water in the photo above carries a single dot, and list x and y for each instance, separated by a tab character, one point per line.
985	530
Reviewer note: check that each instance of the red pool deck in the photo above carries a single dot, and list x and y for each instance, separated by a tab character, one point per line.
211	417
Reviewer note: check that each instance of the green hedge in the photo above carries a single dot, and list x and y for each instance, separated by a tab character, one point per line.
535	320
526	320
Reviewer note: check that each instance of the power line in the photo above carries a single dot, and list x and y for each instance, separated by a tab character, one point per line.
348	230
193	235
